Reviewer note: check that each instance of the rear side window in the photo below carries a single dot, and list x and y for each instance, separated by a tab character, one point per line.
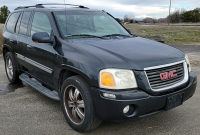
24	23
12	22
18	23
41	23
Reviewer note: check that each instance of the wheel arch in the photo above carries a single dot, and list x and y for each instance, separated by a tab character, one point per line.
5	50
68	71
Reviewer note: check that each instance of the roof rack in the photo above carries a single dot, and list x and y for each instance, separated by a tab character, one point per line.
41	6
37	6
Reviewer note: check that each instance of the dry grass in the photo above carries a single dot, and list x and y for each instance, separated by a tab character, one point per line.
173	35
1	37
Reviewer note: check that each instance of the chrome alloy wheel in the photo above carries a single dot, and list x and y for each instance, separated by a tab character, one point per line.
74	104
9	68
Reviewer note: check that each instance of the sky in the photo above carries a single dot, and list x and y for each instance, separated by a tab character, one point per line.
137	9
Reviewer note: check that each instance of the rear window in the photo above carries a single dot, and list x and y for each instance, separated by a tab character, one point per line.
12	22
24	23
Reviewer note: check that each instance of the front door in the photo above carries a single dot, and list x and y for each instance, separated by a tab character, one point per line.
40	56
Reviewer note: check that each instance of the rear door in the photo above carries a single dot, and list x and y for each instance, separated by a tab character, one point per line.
41	55
10	32
21	30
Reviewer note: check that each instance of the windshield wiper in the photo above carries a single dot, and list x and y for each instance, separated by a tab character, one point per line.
84	35
116	35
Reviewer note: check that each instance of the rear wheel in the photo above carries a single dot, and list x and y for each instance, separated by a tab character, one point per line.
11	68
77	105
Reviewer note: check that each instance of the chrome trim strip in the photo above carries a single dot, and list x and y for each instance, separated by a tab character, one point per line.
34	63
20	56
185	79
166	65
38	65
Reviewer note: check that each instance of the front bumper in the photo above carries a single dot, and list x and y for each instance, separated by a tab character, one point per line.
144	104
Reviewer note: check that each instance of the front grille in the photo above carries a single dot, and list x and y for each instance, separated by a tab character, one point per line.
155	79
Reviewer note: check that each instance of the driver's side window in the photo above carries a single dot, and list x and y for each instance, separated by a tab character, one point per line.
41	23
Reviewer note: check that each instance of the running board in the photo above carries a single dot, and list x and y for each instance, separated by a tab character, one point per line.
39	87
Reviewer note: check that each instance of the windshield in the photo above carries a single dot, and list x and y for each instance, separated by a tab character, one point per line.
77	24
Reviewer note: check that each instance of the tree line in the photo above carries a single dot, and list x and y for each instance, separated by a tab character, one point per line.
178	16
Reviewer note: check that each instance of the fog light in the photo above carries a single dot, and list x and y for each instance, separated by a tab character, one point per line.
126	109
109	95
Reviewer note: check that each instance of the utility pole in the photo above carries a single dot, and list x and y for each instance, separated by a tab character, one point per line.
169	12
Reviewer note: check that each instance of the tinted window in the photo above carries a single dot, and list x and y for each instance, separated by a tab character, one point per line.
41	23
12	22
18	23
24	23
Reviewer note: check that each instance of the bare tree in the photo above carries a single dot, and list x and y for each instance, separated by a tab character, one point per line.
155	20
163	20
126	18
176	16
169	11
129	19
150	20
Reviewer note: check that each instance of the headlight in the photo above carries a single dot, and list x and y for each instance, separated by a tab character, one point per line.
117	79
188	63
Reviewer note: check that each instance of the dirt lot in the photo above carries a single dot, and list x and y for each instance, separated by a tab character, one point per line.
23	110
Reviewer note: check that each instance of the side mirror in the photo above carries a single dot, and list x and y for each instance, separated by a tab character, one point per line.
158	39
161	41
129	30
41	37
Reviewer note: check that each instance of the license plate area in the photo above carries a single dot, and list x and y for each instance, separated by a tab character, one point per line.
174	101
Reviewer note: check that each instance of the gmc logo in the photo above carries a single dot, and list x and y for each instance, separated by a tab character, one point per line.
167	75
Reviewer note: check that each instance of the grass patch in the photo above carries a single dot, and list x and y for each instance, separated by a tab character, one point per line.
173	35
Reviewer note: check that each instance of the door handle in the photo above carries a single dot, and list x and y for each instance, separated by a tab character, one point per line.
12	41
29	47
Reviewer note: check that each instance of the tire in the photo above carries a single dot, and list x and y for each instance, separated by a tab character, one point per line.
77	105
11	68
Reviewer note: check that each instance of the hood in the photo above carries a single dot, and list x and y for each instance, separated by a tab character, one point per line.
132	53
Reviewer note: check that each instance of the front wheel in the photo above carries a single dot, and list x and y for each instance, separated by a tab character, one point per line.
77	105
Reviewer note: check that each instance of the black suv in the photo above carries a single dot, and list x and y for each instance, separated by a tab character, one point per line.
93	65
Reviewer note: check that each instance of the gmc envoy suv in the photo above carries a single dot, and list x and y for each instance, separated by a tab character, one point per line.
93	65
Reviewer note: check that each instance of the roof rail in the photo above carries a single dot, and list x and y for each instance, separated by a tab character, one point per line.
37	6
80	6
41	6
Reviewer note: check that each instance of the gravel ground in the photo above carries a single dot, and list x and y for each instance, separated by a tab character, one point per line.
23	110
